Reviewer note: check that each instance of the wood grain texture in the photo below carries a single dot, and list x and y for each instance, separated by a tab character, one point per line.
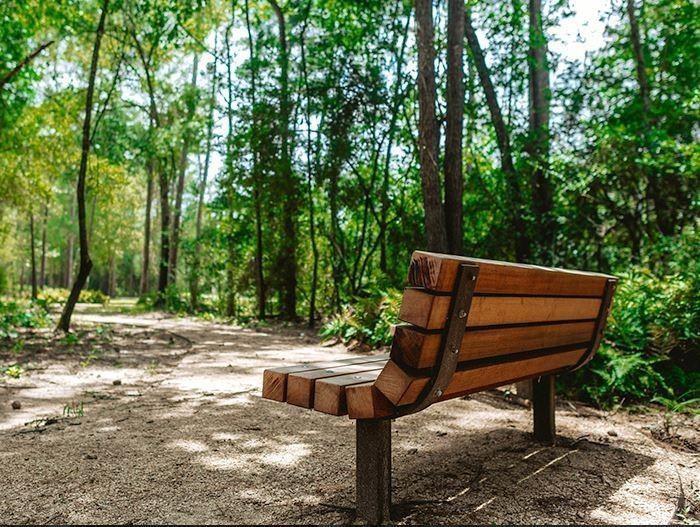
275	379
330	394
402	387
429	311
419	349
365	401
301	385
438	271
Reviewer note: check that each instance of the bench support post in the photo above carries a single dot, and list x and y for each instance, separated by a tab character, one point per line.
543	409
373	476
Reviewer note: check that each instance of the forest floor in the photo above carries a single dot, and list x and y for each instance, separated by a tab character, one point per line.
149	418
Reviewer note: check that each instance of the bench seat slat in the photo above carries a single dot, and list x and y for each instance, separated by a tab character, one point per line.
438	271
419	349
275	379
365	401
300	386
402	387
330	394
429	311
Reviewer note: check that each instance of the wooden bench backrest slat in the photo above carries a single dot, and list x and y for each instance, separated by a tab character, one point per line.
419	349
429	311
402	387
437	272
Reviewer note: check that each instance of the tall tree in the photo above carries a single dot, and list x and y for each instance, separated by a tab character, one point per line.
428	130
191	105
289	191
454	179
538	134
256	170
85	262
32	255
515	213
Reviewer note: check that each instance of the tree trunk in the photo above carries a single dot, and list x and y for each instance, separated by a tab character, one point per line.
397	99
664	215
70	249
32	254
182	169
146	259
309	183
194	272
287	260
538	140
522	243
163	274
85	261
230	244
454	179
428	131
257	176
42	269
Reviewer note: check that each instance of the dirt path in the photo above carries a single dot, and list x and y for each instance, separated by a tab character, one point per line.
165	424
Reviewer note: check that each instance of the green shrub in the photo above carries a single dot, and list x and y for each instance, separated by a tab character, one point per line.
652	341
366	320
20	314
57	295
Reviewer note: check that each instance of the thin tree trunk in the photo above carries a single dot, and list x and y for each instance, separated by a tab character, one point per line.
522	243
194	282
538	140
146	259
182	169
231	249
32	254
42	269
257	176
657	193
85	261
396	104
428	130
309	183
70	249
287	260
454	178
7	77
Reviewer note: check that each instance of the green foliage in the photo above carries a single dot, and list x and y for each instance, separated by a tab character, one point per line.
15	371
366	320
20	314
652	339
55	295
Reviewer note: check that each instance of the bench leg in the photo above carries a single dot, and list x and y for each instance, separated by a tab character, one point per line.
543	409
373	477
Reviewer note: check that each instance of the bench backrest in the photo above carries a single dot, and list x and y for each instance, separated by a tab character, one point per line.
523	321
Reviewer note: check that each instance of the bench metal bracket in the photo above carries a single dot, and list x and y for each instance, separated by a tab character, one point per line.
448	357
605	305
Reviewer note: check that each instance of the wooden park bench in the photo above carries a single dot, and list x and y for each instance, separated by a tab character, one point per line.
470	325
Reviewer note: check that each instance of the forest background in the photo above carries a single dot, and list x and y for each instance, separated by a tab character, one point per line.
262	161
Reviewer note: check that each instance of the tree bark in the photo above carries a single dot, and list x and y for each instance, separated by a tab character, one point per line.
42	268
287	260
194	273
664	214
397	99
32	254
522	243
85	261
538	141
257	176
146	259
182	169
230	244
428	131
454	178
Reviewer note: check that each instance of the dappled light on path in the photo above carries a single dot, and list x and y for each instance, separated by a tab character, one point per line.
184	437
